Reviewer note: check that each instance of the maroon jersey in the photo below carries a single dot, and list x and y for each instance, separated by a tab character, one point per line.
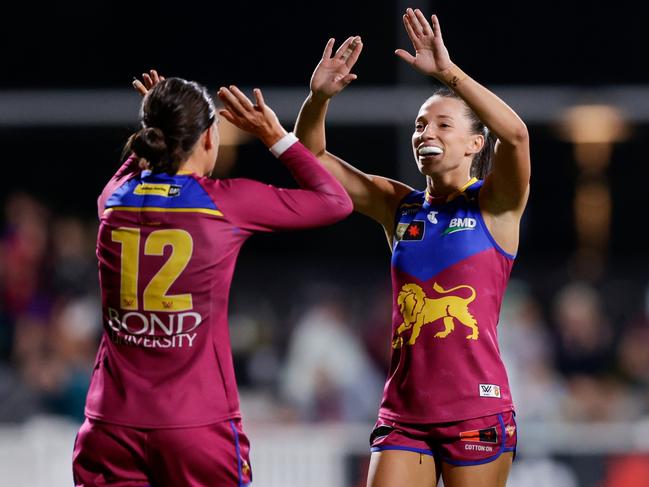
449	277
167	247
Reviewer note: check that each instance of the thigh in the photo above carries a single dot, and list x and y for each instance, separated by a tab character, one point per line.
214	455
400	456
397	468
109	455
492	474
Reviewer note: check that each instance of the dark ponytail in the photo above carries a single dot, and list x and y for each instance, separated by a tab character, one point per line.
483	160
174	114
149	143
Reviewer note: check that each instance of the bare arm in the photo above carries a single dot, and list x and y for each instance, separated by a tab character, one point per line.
507	186
373	196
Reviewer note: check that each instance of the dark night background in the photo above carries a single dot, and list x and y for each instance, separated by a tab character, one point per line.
103	44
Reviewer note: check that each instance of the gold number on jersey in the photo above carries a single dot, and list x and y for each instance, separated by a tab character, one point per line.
155	297
155	294
130	240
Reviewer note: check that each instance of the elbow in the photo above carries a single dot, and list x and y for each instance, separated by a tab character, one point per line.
345	205
515	136
340	206
520	135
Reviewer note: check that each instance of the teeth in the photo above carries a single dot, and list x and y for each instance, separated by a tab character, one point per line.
429	150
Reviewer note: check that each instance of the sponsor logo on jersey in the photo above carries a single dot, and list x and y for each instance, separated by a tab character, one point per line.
432	217
489	390
153	330
410	208
418	310
155	189
510	430
460	225
487	435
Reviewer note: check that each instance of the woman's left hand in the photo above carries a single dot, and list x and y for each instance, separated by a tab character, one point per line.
431	56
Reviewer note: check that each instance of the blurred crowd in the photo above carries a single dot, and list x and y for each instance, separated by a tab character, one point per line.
319	356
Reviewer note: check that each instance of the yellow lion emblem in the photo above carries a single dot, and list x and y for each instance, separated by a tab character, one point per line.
417	310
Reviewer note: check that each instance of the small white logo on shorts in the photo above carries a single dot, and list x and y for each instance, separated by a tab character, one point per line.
489	390
478	448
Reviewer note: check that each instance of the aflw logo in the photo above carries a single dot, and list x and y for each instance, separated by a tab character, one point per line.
489	390
459	225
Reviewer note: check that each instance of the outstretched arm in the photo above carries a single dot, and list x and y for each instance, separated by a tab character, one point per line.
374	196
321	199
506	187
255	206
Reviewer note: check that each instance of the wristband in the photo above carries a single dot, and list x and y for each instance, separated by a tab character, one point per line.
283	144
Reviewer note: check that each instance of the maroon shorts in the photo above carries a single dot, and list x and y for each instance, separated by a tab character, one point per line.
120	456
469	442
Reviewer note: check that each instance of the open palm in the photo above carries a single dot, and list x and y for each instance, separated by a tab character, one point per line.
332	73
431	56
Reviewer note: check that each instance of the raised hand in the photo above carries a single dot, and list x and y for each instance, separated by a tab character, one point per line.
149	80
332	74
257	119
431	56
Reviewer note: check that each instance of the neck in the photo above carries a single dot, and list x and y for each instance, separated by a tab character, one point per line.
446	183
193	164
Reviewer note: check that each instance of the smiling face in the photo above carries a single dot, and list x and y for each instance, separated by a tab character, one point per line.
443	140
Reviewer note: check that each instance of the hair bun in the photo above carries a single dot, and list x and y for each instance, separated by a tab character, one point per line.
149	143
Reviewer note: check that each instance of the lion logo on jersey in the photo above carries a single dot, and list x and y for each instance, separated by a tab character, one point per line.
417	310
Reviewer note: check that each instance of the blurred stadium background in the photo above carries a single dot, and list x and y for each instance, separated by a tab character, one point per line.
310	311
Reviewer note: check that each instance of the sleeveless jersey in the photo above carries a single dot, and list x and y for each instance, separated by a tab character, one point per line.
167	247
448	279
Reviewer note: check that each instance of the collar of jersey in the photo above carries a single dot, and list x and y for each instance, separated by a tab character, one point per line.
148	172
452	196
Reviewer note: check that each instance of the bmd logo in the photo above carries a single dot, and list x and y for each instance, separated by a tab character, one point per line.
460	224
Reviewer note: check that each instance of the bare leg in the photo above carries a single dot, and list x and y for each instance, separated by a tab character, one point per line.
492	474
398	468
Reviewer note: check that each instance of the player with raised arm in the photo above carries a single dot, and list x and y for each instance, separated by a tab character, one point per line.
163	408
446	408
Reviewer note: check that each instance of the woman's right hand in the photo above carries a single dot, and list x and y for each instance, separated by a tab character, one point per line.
257	119
149	80
332	74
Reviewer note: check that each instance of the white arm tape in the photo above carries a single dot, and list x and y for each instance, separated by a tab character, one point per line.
283	144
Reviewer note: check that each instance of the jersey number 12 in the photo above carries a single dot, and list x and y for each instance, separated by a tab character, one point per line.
154	297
